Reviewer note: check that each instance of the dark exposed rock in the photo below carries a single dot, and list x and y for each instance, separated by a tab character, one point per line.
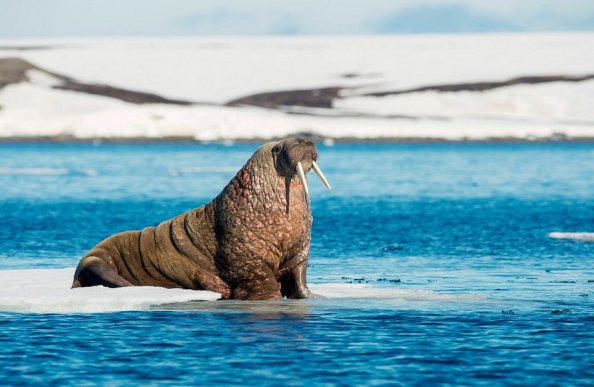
483	86
359	75
321	98
115	92
14	70
324	97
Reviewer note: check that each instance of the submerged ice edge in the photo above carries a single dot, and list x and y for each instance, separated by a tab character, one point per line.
344	290
47	171
578	236
48	291
34	171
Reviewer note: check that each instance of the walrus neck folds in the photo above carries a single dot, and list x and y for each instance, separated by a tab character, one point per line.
266	183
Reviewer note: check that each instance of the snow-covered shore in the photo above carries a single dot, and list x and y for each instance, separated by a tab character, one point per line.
214	71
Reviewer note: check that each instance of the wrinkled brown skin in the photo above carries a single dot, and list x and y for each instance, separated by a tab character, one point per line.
250	242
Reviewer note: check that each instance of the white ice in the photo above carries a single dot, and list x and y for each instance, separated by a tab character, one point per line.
48	291
579	236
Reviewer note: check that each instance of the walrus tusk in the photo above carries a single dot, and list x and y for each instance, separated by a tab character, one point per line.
303	180
320	174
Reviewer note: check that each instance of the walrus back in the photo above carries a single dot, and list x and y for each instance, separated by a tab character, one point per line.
178	252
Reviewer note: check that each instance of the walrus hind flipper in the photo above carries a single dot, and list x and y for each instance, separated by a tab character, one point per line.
93	271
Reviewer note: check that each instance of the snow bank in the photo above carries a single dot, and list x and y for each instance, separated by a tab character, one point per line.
552	103
217	70
32	110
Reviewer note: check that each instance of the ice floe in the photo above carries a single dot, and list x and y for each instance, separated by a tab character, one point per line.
48	291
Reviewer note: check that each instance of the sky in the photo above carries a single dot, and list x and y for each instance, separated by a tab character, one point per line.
82	18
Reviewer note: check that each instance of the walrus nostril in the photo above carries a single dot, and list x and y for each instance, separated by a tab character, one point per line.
311	149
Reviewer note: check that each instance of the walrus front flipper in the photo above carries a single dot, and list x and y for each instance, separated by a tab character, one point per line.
93	271
293	283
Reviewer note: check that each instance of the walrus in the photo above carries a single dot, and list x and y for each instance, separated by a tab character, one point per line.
251	242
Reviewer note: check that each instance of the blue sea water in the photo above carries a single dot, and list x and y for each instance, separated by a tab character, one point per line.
466	220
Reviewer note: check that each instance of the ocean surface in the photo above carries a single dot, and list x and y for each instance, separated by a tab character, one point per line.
436	260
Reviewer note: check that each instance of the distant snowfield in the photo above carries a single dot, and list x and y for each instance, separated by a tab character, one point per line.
48	291
218	70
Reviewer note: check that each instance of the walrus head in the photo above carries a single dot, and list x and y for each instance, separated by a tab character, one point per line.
296	157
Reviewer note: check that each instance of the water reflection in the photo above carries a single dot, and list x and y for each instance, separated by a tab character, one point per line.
258	310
